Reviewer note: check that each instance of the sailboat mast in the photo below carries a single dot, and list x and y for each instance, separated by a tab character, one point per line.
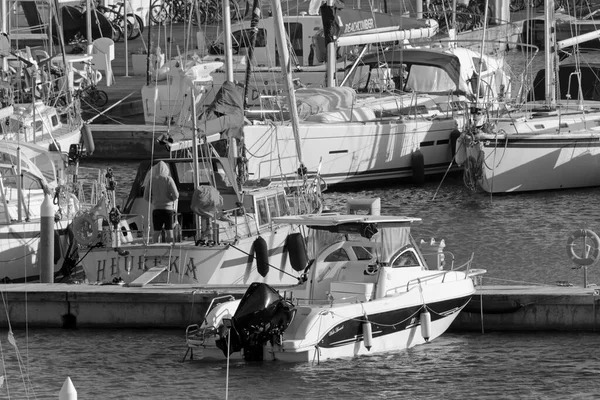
549	54
286	68
4	28
256	13
88	25
228	42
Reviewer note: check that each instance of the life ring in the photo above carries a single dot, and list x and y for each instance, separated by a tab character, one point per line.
591	251
85	229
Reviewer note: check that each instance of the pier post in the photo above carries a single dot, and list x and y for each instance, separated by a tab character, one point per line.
46	251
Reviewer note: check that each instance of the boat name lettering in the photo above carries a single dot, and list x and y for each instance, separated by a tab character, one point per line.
116	266
336	330
357	26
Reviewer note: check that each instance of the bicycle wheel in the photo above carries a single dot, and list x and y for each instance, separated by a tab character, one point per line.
98	97
160	13
138	26
117	34
121	26
243	8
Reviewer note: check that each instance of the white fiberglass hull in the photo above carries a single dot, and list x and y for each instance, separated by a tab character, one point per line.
537	154
19	247
322	332
227	264
352	152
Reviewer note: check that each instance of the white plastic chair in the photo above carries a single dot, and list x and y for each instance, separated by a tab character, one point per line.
103	52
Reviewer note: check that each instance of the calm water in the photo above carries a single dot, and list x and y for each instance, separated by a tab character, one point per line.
148	365
517	238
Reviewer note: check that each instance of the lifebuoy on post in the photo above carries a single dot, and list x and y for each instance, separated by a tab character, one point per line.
591	247
85	229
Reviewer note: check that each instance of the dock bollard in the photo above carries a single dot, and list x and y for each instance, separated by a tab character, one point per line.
46	253
67	392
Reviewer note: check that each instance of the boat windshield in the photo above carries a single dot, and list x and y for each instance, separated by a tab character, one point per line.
402	77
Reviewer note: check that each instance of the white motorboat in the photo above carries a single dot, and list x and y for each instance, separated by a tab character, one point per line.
370	289
544	145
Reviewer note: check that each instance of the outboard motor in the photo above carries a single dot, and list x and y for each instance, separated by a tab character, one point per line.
261	315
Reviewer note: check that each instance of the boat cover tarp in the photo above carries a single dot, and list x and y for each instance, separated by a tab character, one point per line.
312	101
225	115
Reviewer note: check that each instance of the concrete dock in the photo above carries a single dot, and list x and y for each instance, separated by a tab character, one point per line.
493	308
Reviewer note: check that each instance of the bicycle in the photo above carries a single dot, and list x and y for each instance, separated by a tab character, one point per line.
114	14
209	11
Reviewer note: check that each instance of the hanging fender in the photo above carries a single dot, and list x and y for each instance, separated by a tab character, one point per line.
88	139
297	251
418	167
591	243
57	247
261	254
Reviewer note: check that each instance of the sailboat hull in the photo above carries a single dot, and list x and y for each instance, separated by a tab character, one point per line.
19	247
231	263
347	153
539	154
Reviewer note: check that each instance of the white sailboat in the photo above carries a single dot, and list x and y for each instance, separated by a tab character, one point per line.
371	289
29	174
305	41
552	144
395	115
39	90
233	241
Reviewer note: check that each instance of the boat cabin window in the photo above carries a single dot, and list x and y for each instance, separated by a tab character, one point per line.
476	61
14	125
9	179
271	206
338	255
241	39
54	120
406	259
38	125
430	79
363	253
185	176
294	33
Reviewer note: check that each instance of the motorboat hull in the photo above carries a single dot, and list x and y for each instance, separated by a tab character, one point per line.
331	331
